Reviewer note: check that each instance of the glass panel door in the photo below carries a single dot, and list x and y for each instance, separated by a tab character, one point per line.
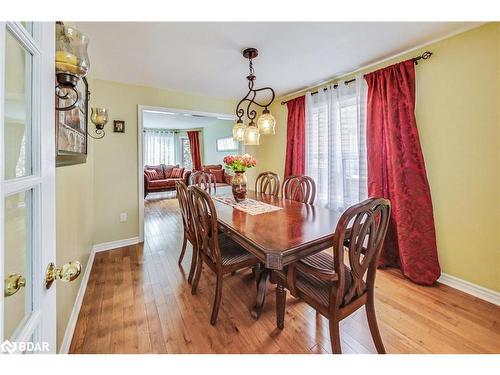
17	118
27	186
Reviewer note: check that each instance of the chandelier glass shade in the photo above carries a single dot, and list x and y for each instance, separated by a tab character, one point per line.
239	131
266	122
251	136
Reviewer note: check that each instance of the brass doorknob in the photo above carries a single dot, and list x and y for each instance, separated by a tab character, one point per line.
66	273
13	283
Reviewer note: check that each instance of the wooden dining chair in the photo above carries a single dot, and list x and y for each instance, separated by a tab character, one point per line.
215	249
299	188
334	289
268	183
204	180
188	225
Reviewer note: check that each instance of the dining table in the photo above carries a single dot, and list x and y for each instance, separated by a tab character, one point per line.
291	231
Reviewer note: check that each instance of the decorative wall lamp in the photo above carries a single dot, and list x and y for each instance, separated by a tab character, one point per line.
250	134
99	117
72	64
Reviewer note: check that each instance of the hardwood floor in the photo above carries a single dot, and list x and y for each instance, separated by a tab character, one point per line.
138	301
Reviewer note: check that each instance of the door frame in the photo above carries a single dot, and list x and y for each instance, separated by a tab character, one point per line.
140	145
41	181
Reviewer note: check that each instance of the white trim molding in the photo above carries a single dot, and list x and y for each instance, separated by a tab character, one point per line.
470	288
115	244
70	327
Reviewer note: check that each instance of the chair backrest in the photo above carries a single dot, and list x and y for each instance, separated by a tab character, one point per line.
205	223
299	188
361	231
187	218
268	183
204	180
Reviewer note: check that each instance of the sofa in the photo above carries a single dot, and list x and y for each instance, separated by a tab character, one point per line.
162	177
222	178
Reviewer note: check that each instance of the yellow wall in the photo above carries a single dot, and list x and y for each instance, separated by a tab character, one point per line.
75	228
115	156
458	116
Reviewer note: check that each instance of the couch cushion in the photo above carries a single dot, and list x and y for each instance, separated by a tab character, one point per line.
171	181
208	167
218	174
158	168
152	174
158	184
177	173
168	170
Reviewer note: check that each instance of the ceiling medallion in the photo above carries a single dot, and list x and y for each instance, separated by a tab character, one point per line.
250	133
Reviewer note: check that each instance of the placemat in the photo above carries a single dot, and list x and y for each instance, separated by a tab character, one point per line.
250	206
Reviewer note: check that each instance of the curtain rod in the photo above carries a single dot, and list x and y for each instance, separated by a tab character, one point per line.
423	56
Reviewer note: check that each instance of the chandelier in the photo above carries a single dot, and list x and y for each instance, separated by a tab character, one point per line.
250	134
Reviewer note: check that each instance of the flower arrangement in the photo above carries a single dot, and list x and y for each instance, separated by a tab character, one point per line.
239	163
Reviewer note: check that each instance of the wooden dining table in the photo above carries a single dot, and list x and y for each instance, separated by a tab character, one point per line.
277	238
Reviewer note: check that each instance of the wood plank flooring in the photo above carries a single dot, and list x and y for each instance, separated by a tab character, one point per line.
138	301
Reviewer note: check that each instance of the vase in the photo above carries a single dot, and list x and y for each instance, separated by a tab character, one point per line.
239	186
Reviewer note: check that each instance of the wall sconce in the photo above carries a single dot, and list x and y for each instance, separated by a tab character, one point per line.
99	117
72	64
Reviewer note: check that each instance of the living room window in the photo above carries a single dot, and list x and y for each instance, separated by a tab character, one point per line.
159	146
186	160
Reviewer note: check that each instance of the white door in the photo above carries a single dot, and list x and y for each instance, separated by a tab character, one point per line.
27	188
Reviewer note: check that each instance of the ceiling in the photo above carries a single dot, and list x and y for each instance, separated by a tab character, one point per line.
170	120
205	58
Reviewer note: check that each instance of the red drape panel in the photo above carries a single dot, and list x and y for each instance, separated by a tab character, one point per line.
396	171
295	138
194	145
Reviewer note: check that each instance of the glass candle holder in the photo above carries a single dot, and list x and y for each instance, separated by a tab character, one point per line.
99	117
71	51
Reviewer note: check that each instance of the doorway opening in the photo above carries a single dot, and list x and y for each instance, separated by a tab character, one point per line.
164	144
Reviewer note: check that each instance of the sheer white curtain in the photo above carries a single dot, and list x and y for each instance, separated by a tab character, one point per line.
336	143
159	146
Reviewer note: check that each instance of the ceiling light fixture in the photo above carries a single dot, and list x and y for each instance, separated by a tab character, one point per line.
265	123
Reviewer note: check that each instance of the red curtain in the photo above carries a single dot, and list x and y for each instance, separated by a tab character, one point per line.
396	171
296	133
194	145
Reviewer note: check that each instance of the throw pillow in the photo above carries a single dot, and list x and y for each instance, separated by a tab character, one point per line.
152	174
219	175
177	173
168	169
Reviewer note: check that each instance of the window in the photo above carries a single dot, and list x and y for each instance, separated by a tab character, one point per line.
227	144
336	146
159	147
186	160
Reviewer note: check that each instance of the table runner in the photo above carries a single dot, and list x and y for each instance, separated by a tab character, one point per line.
250	206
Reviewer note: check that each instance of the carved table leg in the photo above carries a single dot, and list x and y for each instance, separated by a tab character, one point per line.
261	293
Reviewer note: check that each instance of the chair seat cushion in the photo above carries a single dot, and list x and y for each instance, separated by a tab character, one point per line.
231	252
315	288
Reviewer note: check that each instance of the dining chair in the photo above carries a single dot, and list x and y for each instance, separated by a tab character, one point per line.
268	183
299	188
216	249
204	180
188	226
331	287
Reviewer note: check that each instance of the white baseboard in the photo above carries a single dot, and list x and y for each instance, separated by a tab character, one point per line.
115	244
70	327
470	288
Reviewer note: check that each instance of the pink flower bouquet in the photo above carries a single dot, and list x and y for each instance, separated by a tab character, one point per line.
239	163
